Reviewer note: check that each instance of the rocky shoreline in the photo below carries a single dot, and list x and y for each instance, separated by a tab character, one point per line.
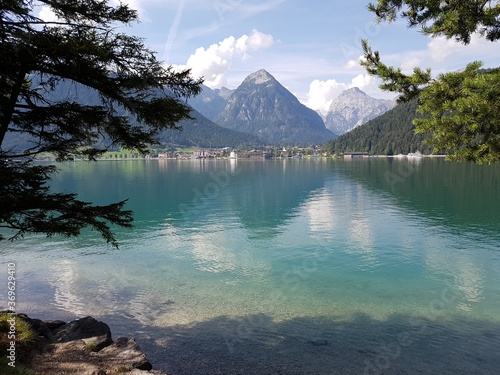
85	346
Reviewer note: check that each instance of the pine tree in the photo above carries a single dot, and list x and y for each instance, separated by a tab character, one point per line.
460	110
138	98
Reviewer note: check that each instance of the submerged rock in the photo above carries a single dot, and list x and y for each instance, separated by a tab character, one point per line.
318	342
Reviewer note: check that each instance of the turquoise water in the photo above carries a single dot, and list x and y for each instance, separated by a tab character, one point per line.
250	267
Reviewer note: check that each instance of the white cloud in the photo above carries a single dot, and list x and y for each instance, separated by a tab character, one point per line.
410	62
362	81
442	55
440	48
322	93
352	64
213	63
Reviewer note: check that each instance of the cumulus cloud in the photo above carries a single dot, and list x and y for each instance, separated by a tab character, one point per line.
322	93
410	62
352	64
442	54
213	62
362	81
440	48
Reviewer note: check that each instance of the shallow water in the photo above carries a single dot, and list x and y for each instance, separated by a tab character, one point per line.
251	267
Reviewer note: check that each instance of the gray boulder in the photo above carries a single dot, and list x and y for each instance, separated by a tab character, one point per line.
128	350
89	330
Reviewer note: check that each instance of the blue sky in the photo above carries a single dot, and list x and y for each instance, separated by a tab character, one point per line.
311	47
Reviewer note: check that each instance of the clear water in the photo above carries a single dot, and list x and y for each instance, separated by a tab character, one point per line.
251	267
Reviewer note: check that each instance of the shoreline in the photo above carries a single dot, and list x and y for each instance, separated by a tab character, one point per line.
307	157
80	346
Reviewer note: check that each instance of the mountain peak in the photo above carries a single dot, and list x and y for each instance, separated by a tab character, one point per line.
353	90
261	106
260	76
352	108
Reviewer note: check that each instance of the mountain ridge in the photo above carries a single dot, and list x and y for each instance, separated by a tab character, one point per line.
389	134
199	131
352	108
261	106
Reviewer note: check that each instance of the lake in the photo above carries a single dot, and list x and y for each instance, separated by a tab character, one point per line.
313	266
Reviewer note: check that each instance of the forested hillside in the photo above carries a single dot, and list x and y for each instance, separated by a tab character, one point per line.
389	134
202	132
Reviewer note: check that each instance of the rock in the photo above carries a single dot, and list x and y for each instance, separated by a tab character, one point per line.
98	372
318	342
353	108
68	350
39	327
70	346
54	324
142	372
264	108
127	350
87	329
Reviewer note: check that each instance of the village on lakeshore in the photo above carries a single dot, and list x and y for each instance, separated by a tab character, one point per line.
232	154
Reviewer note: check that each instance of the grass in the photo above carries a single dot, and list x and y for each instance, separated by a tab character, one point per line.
25	340
91	347
5	369
123	369
24	333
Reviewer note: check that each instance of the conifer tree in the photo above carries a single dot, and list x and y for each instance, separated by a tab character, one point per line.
460	110
138	97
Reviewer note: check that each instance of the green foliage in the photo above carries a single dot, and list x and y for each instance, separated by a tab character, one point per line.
463	114
123	369
203	133
137	99
25	343
459	110
457	19
29	207
394	79
5	369
24	334
389	134
91	347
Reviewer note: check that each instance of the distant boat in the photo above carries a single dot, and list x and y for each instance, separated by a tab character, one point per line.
233	155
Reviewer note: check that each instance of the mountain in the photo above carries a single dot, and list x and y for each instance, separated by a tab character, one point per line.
224	92
353	108
263	107
210	103
202	132
197	132
389	134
